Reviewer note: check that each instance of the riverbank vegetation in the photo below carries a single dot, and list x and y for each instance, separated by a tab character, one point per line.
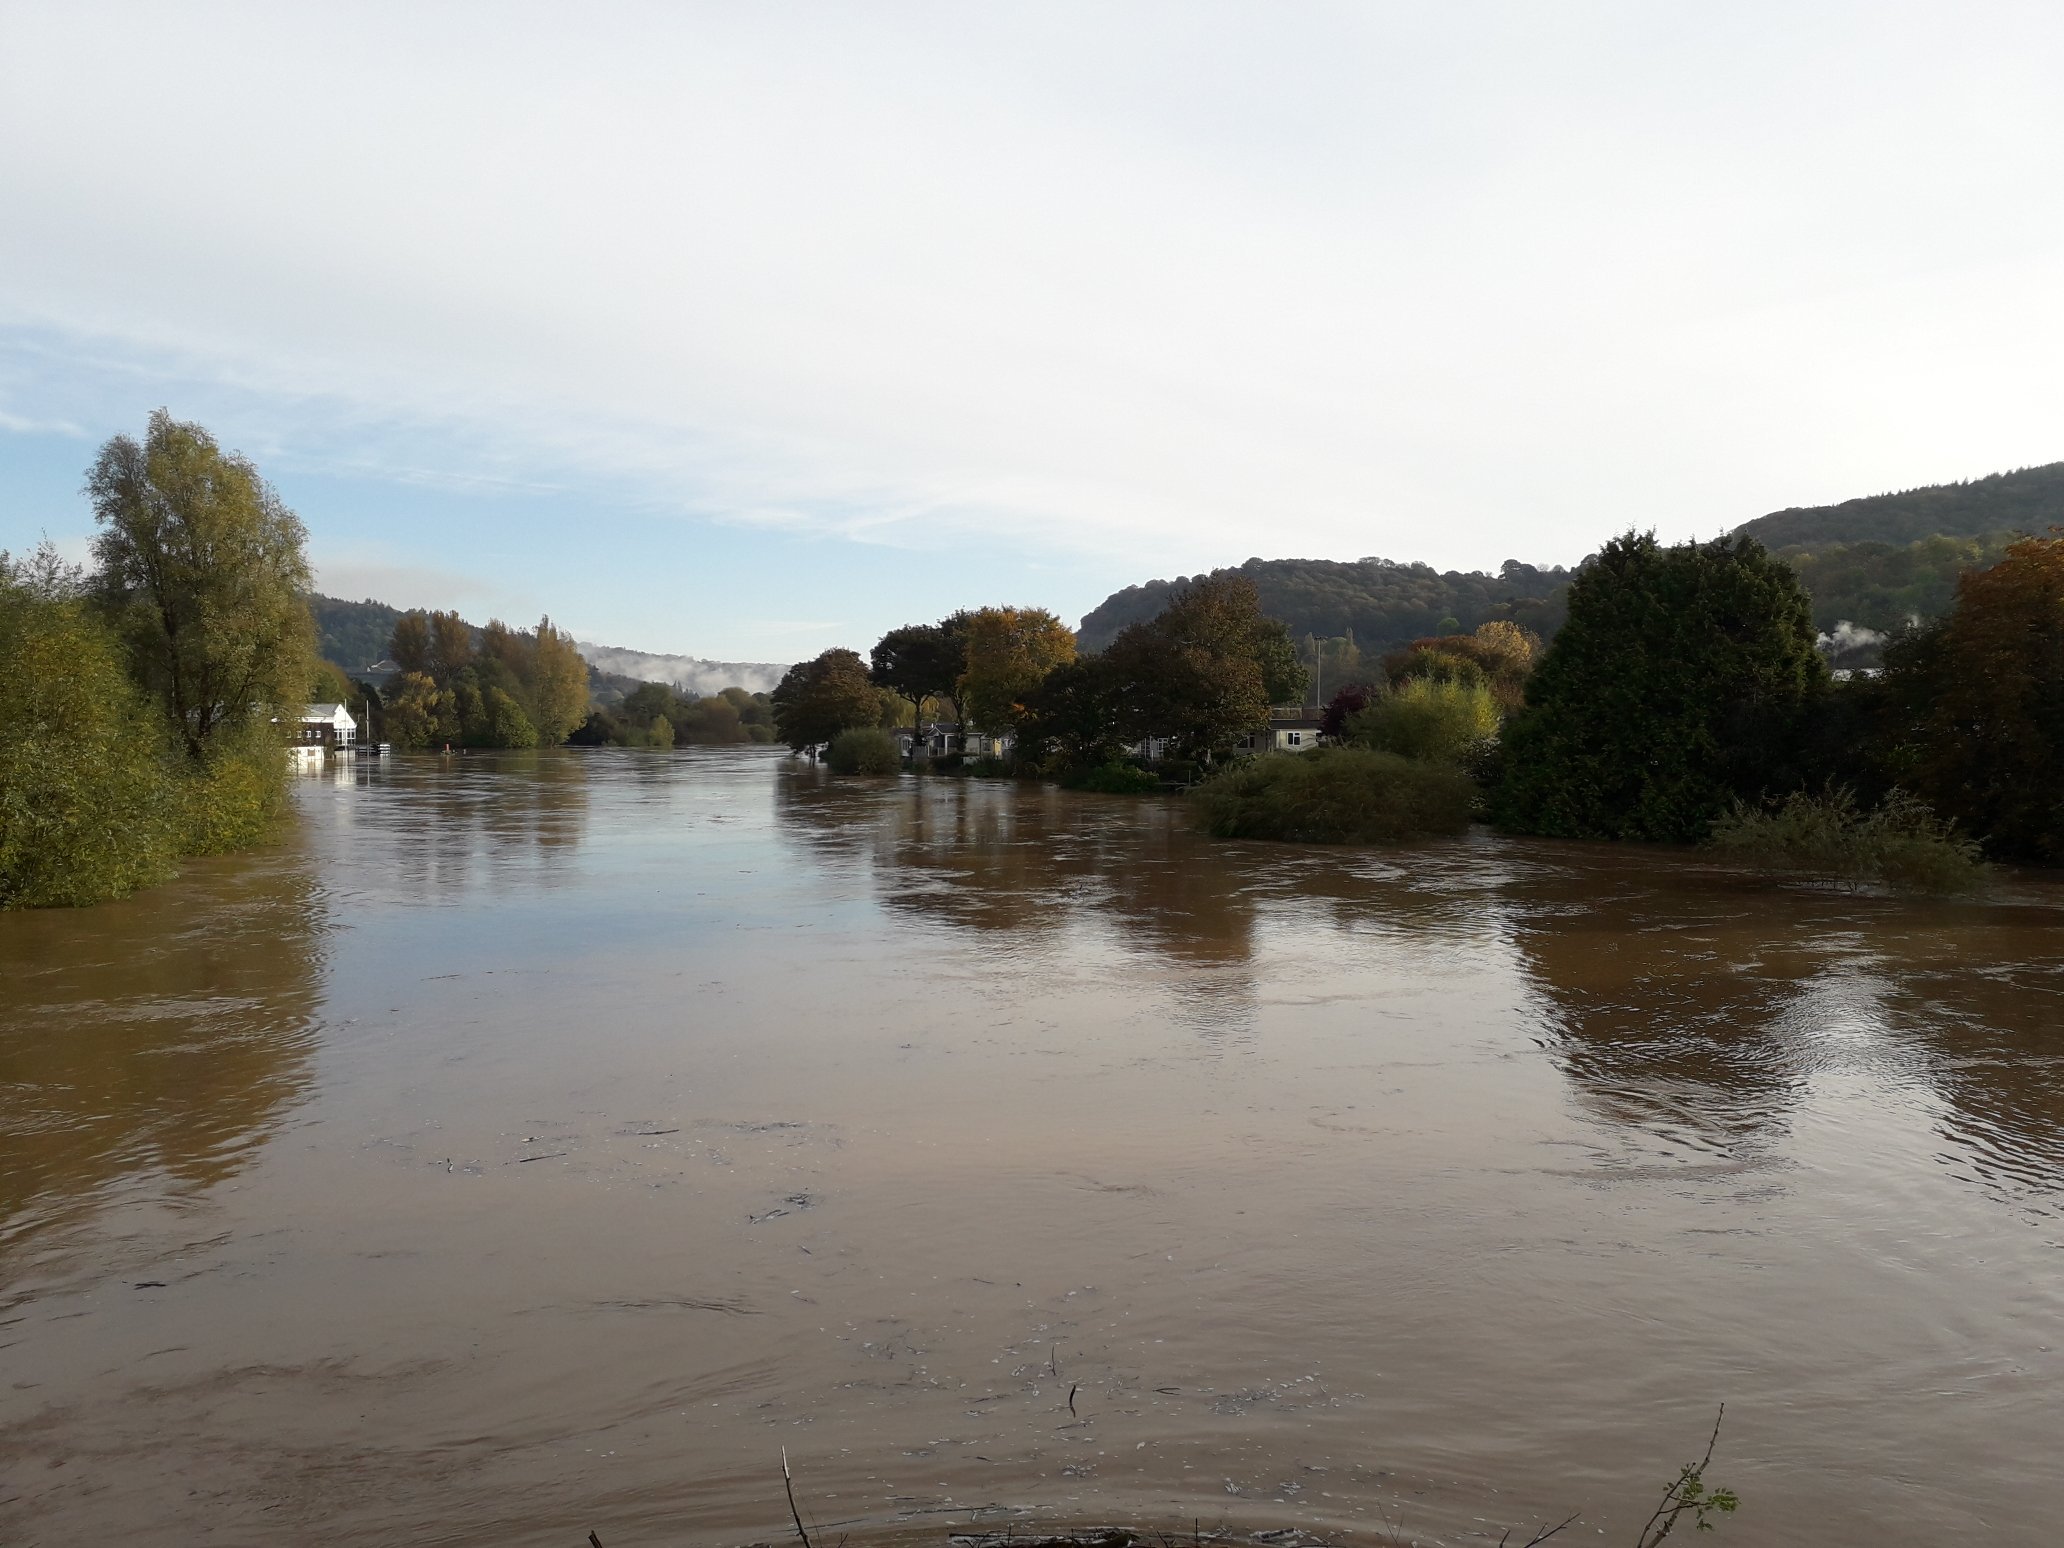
1336	795
145	706
659	715
1687	698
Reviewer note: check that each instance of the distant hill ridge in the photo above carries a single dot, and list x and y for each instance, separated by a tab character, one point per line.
1379	602
2028	501
1873	562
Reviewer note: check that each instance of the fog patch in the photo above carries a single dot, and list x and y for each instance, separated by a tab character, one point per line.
690	674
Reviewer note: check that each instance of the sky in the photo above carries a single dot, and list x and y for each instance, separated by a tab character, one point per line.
745	330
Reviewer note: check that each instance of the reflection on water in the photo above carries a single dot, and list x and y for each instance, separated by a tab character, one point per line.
160	1037
551	1139
446	824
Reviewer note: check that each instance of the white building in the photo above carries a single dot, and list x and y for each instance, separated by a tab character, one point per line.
328	726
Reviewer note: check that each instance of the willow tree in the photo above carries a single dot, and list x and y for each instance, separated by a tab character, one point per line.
206	576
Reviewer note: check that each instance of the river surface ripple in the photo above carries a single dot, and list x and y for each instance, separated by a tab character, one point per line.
541	1143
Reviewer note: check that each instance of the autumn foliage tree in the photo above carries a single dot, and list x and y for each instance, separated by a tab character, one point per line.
1009	652
1976	705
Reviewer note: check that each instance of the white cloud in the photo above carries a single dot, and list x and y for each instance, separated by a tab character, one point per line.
1174	284
21	424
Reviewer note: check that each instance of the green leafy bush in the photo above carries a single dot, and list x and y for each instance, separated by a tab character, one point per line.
1119	779
864	750
86	799
1429	718
235	796
1335	795
1901	843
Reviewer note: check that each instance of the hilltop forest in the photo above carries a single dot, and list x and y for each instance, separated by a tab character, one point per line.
1874	564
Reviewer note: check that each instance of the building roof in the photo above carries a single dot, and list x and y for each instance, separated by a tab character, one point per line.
326	712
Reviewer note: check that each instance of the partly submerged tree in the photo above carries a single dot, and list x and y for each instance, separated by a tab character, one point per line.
1205	669
1073	716
922	661
1975	705
204	571
448	689
557	679
817	699
1681	682
1009	651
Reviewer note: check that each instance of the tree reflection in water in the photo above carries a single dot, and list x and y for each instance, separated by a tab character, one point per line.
1035	873
1699	1009
151	1045
513	817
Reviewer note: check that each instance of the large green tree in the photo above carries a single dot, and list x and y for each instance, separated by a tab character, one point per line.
922	661
1205	669
205	572
1975	705
1073	715
817	699
1682	681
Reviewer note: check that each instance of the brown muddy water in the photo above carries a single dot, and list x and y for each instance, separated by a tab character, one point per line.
541	1143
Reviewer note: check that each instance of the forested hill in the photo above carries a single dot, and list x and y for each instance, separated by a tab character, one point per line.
2027	501
1380	603
352	634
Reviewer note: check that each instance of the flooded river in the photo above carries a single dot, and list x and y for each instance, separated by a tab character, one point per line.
538	1144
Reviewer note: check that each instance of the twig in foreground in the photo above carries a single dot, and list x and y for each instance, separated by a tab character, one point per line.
788	1483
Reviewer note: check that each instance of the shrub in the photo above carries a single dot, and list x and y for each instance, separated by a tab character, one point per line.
1901	843
1119	779
1428	718
84	792
864	750
1335	795
235	796
986	767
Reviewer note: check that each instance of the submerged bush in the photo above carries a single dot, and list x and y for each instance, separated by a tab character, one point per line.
864	750
85	792
1428	717
1335	795
235	795
1901	843
1118	779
